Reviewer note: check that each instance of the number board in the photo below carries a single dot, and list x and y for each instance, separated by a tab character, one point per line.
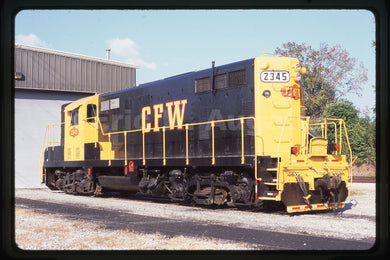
275	76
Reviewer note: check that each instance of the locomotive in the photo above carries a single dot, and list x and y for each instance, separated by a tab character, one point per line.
233	134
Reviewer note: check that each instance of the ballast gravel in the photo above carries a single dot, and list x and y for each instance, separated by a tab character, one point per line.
355	222
37	231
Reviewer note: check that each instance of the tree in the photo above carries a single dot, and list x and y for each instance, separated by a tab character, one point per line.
331	73
343	110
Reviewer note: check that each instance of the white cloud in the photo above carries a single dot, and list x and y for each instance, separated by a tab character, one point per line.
30	39
128	50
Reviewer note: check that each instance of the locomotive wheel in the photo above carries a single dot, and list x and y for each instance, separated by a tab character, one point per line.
51	180
69	184
98	191
220	196
77	182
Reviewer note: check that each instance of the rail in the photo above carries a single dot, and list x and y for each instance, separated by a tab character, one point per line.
364	179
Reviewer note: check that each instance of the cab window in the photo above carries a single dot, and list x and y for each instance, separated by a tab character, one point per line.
75	117
91	113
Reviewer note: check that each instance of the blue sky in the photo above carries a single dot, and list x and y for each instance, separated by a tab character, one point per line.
169	42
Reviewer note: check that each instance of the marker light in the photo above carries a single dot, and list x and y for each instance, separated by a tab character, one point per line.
333	147
294	150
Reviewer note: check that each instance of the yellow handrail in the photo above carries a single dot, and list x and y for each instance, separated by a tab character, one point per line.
242	141
212	124
335	133
350	158
164	159
212	143
187	160
341	126
281	134
42	154
46	143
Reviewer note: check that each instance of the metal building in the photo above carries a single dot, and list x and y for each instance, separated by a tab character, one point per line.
44	80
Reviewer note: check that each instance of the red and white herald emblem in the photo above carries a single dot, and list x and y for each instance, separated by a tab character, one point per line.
293	91
74	132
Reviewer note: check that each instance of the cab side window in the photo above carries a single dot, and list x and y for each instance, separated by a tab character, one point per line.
75	117
91	113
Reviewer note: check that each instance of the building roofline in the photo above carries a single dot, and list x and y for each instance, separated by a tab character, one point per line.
73	55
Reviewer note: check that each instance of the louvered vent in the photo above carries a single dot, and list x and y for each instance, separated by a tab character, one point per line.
237	78
202	85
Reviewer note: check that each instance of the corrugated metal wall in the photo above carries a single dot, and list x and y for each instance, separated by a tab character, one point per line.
52	70
50	79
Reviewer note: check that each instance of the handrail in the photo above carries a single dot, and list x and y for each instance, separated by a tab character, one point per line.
335	133
262	54
212	124
281	134
350	157
342	126
42	154
46	143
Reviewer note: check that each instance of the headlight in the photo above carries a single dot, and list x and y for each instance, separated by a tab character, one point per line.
298	67
298	76
267	93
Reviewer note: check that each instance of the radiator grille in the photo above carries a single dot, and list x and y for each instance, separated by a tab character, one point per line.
237	78
220	81
202	85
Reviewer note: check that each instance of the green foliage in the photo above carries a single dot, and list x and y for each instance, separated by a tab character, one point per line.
343	110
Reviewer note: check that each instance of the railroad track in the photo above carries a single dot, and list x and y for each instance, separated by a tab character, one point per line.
363	179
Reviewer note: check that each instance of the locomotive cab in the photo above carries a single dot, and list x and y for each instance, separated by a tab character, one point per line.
80	124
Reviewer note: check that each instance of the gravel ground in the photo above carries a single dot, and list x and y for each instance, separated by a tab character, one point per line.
355	222
37	231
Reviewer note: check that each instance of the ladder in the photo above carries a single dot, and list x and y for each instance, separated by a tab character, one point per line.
269	179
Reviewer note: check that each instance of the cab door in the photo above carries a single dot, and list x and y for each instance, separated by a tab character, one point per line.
73	150
91	124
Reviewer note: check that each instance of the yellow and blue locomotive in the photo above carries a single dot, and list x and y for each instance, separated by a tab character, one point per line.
234	134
